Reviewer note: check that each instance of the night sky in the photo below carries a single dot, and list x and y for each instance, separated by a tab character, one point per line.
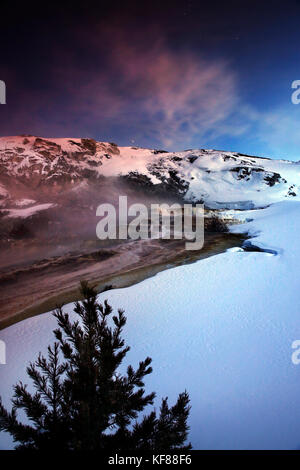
163	74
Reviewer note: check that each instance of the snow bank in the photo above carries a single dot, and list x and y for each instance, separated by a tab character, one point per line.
222	328
3	191
225	180
24	202
29	211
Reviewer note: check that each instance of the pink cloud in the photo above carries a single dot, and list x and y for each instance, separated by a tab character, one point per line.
150	90
143	88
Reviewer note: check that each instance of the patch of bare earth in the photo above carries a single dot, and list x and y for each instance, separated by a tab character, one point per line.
41	286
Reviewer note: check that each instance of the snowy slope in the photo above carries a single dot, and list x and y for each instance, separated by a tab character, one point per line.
219	178
222	328
28	211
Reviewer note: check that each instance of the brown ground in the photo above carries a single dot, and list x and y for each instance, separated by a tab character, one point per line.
40	287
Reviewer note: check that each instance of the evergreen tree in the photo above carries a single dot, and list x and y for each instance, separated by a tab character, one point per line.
82	402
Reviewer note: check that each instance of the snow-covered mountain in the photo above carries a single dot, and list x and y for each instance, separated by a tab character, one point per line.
220	179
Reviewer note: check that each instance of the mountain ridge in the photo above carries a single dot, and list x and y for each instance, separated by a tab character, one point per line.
220	179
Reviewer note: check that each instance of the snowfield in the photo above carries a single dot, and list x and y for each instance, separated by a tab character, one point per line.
221	328
221	179
29	211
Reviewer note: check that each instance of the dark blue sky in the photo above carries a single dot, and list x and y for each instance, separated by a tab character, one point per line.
172	74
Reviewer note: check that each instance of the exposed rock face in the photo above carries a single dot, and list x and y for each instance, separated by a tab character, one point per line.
64	159
50	188
41	168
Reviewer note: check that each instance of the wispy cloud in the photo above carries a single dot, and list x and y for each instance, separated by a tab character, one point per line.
276	130
155	95
143	91
179	95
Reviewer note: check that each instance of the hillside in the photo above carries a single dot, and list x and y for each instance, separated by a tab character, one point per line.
32	166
